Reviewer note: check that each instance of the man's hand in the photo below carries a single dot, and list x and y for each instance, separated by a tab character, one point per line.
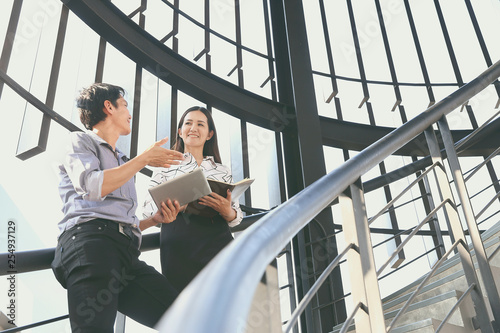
157	156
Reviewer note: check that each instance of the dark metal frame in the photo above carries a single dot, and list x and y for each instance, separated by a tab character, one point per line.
294	118
110	23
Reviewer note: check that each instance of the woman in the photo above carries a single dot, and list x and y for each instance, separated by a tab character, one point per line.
189	242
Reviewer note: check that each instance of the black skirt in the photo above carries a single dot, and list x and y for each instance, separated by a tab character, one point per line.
188	244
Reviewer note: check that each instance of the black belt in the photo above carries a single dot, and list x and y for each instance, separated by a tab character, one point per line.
123	228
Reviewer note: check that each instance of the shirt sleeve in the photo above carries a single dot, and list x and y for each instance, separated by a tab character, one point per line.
239	215
83	168
149	207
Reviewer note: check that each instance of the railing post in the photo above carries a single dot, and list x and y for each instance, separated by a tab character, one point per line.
120	323
457	232
363	273
477	243
291	282
265	312
429	206
442	180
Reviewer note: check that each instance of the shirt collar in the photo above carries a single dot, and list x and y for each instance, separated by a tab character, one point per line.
189	158
101	141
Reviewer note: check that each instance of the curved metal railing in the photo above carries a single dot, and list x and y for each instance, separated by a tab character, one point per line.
360	164
297	208
244	260
35	260
314	289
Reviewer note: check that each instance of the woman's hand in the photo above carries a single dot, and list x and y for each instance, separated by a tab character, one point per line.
168	212
220	204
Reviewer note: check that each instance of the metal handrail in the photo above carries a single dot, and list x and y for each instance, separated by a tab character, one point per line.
409	187
479	166
263	213
469	137
485	208
315	287
423	283
35	260
420	164
472	196
410	236
455	307
244	261
347	323
396	269
33	325
408	263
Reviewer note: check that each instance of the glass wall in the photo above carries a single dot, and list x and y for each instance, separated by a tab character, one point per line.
377	62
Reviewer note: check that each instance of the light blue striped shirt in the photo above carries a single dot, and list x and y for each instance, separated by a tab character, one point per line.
81	177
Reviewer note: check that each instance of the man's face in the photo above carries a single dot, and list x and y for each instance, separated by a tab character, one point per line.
121	116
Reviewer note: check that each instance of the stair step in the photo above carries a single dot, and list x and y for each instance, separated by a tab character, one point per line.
440	294
436	307
450	268
454	281
429	325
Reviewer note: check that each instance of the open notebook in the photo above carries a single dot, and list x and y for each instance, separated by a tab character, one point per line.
237	189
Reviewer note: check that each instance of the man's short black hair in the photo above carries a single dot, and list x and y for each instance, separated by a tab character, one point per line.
91	102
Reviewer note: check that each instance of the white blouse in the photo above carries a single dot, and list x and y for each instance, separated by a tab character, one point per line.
211	170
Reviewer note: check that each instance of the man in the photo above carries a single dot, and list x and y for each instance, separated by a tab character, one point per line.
97	256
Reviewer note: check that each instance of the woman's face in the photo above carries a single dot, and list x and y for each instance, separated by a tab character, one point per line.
194	130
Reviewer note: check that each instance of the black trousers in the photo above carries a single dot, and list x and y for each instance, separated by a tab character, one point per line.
188	244
100	268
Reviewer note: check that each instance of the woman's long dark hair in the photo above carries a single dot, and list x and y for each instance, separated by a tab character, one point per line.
211	147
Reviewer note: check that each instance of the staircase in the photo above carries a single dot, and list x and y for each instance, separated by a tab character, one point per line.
436	299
